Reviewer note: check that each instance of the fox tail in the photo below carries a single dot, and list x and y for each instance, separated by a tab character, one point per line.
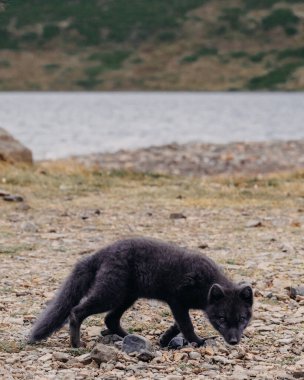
69	295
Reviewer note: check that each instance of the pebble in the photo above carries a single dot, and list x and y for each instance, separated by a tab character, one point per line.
13	198
177	342
29	227
102	353
135	343
194	355
61	356
253	223
45	358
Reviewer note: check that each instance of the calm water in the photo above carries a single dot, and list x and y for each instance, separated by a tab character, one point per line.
62	124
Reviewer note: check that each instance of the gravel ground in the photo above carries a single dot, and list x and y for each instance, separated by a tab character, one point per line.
197	159
252	226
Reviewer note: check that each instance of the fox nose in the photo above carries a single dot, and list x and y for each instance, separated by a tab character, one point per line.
233	341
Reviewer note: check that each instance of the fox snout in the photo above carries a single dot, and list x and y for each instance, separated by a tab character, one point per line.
232	336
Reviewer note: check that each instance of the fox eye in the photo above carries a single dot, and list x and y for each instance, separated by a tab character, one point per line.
242	319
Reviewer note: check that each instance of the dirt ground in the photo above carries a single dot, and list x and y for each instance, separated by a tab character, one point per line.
252	226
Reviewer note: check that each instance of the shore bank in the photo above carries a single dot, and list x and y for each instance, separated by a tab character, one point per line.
198	159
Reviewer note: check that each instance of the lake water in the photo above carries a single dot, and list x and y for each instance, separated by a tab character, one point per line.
56	125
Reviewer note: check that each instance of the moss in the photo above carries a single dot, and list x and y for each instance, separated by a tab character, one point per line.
284	18
273	77
202	52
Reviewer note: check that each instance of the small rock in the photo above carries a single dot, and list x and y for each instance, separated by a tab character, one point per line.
194	355
103	354
293	292
135	343
174	377
146	356
254	223
203	246
177	342
84	359
61	356
286	247
45	358
298	374
209	351
177	215
109	338
3	193
13	198
29	227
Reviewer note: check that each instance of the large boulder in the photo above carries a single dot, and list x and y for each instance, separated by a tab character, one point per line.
11	150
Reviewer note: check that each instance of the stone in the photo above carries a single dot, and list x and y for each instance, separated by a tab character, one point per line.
29	227
103	354
177	342
293	292
61	356
45	358
194	355
253	223
177	215
84	359
107	338
3	193
145	356
13	198
135	343
12	151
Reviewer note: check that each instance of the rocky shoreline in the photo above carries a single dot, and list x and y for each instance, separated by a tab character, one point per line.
199	159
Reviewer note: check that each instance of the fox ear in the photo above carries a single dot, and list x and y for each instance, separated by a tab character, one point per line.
246	294
216	293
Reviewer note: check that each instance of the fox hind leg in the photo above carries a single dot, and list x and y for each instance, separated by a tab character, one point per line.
112	319
106	295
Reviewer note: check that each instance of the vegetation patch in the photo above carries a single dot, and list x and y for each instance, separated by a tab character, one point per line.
110	60
284	18
202	52
291	53
273	78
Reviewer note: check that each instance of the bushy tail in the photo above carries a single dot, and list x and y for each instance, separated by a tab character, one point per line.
69	295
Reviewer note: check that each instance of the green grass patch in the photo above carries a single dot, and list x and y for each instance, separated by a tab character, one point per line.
232	17
265	4
51	67
202	52
50	31
122	20
7	41
284	18
110	60
291	53
4	64
15	249
238	54
273	77
11	346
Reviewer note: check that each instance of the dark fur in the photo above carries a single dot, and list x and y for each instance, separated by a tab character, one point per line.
112	279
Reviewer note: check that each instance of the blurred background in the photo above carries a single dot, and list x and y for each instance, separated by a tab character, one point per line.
162	59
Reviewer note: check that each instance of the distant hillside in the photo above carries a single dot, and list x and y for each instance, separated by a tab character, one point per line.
151	45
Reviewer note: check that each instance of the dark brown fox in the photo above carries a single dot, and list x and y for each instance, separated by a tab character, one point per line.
112	279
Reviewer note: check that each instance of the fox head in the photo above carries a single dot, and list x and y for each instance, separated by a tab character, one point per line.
229	310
